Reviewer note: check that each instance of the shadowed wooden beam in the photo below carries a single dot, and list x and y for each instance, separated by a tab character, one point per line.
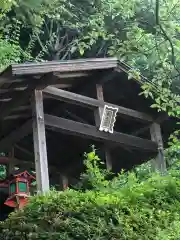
108	77
22	97
161	118
14	137
17	116
63	80
22	108
140	131
6	75
88	131
70	75
31	165
75	117
92	103
18	99
22	149
61	85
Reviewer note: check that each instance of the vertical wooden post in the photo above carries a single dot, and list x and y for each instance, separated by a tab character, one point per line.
64	182
159	163
11	163
40	151
98	115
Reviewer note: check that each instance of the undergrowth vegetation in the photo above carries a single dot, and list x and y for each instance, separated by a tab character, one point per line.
129	206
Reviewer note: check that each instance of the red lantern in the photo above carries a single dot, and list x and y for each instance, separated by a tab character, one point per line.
19	184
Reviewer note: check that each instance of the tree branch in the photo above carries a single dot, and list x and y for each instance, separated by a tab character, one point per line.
165	34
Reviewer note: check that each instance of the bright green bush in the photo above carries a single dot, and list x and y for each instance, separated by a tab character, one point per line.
9	53
123	208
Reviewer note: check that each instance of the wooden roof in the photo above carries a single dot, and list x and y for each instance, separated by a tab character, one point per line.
18	81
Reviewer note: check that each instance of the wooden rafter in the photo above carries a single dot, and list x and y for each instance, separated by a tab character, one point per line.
15	136
92	103
88	131
20	98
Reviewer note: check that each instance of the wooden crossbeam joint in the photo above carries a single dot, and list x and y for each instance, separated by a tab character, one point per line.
88	131
92	103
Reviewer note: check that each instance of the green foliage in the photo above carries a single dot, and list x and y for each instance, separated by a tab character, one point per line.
9	53
2	172
126	207
96	173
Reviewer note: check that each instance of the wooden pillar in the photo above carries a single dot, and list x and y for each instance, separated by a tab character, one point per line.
40	151
11	162
98	116
159	163
65	181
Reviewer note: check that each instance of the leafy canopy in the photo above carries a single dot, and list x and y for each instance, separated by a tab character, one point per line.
144	33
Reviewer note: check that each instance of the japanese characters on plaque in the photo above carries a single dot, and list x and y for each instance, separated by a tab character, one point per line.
108	119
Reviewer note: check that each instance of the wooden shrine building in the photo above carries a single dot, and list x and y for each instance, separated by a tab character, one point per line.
50	114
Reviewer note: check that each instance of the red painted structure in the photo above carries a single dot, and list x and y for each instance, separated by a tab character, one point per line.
18	184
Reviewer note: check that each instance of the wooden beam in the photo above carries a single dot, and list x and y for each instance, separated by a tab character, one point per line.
65	181
10	94
17	116
4	160
71	75
15	136
98	116
159	163
65	80
108	77
75	117
6	75
88	131
99	110
21	98
92	103
40	151
59	85
24	150
108	158
11	163
141	130
5	100
22	108
64	66
161	118
17	100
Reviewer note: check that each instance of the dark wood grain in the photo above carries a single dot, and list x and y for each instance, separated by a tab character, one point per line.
88	131
81	100
39	139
